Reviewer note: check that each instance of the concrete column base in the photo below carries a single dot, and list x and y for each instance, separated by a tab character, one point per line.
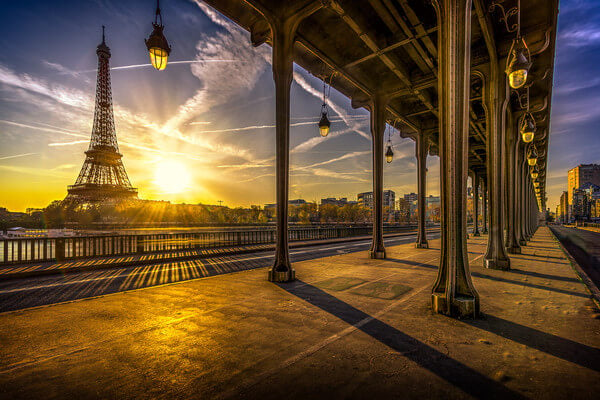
461	307
514	250
284	276
422	245
476	234
484	232
377	254
503	265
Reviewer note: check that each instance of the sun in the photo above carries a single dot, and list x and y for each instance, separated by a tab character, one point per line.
172	176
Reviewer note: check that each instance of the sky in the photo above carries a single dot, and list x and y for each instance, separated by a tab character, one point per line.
202	131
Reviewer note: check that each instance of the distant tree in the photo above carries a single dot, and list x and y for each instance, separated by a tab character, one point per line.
328	213
55	215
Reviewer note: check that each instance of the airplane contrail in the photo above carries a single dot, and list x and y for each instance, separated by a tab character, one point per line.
16	156
171	62
149	65
248	128
68	143
340	158
69	133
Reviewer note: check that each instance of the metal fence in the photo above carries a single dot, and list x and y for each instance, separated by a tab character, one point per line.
24	250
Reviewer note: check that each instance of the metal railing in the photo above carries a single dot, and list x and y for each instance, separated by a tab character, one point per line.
26	250
591	225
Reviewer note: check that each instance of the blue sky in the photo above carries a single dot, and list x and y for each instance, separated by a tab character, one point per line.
575	121
210	118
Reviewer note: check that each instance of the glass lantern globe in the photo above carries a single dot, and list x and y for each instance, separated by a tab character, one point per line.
518	64
389	154
157	45
527	128
324	124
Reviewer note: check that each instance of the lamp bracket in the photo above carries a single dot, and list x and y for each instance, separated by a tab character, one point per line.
523	99
506	14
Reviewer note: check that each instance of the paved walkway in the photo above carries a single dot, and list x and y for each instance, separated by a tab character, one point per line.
350	327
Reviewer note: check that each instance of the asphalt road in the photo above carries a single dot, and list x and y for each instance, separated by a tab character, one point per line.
584	247
44	290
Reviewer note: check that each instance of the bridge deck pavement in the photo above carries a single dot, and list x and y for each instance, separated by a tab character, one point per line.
350	327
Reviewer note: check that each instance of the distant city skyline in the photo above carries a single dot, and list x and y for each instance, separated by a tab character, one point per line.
582	197
209	117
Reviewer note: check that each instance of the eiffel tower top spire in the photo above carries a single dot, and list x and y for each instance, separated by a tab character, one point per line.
103	175
103	132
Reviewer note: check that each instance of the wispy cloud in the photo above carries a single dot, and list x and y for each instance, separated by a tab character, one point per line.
221	81
576	85
317	140
254	178
338	175
334	160
35	171
245	166
339	110
62	70
80	104
61	94
64	166
581	35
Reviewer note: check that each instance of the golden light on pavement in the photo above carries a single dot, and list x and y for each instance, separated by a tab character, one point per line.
172	176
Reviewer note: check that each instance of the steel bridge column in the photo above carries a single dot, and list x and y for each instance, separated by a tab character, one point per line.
531	208
512	146
422	148
484	206
528	207
534	210
378	106
475	178
284	25
525	205
521	170
283	43
453	293
496	103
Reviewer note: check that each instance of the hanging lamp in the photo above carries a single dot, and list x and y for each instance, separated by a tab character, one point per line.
158	47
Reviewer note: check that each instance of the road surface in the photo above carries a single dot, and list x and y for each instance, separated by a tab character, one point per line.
44	290
584	247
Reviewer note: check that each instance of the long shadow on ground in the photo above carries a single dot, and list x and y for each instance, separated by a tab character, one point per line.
581	354
447	368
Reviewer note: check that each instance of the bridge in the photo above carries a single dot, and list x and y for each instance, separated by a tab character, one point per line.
442	72
498	312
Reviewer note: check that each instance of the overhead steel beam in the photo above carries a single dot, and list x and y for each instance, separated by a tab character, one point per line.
389	48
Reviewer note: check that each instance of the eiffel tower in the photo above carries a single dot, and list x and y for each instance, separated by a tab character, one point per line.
102	177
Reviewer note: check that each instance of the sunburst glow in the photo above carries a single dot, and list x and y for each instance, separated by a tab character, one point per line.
172	176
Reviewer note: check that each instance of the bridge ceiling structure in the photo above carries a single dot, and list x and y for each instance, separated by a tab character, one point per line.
390	46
